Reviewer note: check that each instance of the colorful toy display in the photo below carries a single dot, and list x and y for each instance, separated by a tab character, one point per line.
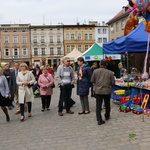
137	110
124	108
147	112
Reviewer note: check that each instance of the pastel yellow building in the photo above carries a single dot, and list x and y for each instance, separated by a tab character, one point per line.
78	36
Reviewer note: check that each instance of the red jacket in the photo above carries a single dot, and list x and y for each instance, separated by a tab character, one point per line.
50	70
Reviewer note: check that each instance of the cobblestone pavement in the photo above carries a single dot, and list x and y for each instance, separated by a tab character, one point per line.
48	131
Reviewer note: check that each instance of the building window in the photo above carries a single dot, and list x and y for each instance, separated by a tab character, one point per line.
86	36
68	49
117	26
58	39
104	40
72	47
15	39
35	51
16	52
6	39
67	36
104	31
86	47
43	51
99	31
58	50
51	39
112	28
51	51
6	53
80	48
35	39
24	39
122	24
79	36
99	40
24	52
90	36
42	39
72	36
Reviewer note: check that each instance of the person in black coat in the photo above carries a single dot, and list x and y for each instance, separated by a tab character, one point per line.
37	72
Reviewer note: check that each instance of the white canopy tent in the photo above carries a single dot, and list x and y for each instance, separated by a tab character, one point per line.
73	54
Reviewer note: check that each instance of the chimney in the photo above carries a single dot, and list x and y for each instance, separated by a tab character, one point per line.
103	23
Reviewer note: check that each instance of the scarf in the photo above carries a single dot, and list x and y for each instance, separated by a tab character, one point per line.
45	74
24	72
80	73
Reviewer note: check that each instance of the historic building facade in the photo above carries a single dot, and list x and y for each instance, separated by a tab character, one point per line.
101	33
78	36
47	45
117	23
15	43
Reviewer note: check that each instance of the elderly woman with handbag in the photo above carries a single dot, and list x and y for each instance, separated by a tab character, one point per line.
46	83
4	94
25	80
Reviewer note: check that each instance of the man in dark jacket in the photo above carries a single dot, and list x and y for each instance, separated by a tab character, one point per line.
14	86
103	80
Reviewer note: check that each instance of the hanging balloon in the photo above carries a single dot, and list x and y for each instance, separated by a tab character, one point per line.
131	23
141	4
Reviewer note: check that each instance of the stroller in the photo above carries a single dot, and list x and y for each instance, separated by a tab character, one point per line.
36	89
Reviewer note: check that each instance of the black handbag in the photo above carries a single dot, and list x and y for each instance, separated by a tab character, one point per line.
30	85
53	86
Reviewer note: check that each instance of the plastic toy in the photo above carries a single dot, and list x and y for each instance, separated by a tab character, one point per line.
147	112
137	110
124	108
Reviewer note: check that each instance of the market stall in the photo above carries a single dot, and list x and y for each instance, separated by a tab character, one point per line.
135	41
95	54
133	85
73	54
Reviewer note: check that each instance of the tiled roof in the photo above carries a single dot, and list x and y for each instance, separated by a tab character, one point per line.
121	14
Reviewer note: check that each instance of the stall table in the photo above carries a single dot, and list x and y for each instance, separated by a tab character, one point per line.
131	90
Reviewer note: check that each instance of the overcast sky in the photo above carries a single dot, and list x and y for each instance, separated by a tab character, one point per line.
58	11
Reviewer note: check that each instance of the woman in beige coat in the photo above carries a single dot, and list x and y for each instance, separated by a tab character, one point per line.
25	80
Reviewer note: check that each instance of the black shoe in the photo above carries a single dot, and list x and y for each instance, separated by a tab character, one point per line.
81	112
107	118
60	114
22	118
101	122
69	112
7	118
48	109
42	110
10	108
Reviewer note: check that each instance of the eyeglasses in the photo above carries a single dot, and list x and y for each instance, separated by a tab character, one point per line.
68	60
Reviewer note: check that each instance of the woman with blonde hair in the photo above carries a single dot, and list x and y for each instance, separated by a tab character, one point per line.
46	82
4	94
25	80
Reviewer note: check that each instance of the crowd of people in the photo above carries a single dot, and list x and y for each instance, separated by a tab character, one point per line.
16	86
